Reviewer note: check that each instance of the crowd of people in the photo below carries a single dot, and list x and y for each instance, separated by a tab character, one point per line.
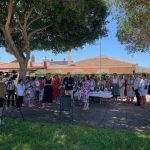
49	89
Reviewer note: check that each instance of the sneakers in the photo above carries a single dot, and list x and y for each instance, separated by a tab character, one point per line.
1	122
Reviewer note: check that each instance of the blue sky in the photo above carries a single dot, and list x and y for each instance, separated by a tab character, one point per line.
110	47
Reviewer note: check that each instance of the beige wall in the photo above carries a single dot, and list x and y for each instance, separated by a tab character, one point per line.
93	70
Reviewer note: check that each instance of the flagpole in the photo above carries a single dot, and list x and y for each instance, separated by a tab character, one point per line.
100	53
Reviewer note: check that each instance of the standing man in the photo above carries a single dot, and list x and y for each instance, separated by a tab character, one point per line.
69	83
136	89
2	95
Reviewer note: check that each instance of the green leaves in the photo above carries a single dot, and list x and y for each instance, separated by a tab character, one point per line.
133	20
72	23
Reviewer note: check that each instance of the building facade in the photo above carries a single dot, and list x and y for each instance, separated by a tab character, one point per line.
95	65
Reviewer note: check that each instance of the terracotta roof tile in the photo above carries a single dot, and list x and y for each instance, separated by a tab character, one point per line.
103	61
147	70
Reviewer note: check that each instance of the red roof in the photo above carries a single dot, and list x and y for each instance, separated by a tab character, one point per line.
14	65
103	61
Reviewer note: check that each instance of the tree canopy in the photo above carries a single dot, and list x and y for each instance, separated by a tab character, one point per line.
133	19
56	25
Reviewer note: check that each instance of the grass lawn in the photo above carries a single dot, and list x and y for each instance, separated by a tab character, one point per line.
19	135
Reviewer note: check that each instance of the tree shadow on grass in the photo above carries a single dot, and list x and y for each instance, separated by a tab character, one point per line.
19	135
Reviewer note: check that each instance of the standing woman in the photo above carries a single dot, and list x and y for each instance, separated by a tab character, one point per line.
108	83
121	86
56	91
125	86
143	88
130	89
92	84
85	91
30	93
79	85
102	88
62	87
48	91
41	81
115	86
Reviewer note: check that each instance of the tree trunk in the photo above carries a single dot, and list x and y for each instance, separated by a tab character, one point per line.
22	70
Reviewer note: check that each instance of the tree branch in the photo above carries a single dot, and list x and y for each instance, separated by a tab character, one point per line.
28	15
35	19
7	34
6	41
18	19
37	30
10	8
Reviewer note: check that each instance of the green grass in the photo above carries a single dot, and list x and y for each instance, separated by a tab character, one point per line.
19	135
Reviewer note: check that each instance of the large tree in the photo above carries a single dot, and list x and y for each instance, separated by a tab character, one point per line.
133	19
56	25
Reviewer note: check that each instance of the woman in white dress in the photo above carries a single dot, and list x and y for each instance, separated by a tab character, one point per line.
130	89
121	86
92	84
143	89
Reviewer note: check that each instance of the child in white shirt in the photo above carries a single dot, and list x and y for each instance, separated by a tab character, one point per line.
20	90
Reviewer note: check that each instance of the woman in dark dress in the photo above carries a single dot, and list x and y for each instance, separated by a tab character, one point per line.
148	89
48	91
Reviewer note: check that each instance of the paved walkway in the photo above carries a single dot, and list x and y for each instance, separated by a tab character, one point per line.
110	114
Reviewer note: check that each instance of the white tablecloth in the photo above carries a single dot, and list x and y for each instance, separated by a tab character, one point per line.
102	94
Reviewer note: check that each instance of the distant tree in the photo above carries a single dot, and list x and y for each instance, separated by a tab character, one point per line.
56	25
133	19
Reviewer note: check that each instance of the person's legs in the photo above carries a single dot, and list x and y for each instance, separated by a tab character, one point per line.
71	94
2	100
19	101
8	100
84	102
87	105
29	101
37	94
137	97
115	98
143	101
43	105
131	99
84	106
13	97
100	100
57	99
41	95
128	98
